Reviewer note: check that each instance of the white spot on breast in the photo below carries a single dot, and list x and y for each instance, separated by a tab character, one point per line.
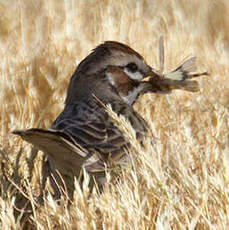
110	78
131	96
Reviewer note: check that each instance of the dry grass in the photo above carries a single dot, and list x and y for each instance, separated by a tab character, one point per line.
180	177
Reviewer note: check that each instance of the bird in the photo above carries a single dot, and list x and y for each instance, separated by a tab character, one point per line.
83	136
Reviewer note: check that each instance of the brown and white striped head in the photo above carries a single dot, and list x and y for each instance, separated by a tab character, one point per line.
111	67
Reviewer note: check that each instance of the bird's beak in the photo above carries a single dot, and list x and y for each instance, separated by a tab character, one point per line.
153	73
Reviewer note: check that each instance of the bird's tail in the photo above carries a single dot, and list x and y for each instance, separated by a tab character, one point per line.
59	146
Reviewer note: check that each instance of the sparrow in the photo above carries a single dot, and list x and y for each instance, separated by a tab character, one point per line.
83	136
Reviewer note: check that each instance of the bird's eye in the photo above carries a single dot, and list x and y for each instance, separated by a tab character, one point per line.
132	67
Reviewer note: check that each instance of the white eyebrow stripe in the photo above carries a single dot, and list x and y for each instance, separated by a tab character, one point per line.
135	76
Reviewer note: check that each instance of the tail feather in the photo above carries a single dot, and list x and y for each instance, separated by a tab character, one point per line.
59	146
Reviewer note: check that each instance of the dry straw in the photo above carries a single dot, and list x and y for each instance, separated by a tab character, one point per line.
179	177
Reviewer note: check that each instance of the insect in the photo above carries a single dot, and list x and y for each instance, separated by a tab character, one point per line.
178	78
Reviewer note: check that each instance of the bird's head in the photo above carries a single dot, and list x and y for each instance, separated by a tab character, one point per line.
112	69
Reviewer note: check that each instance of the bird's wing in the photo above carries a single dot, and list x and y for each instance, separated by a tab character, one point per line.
91	127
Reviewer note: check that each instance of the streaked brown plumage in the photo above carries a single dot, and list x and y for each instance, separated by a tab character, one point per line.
83	135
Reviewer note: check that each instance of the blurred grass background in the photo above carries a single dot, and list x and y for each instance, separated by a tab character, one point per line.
181	180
